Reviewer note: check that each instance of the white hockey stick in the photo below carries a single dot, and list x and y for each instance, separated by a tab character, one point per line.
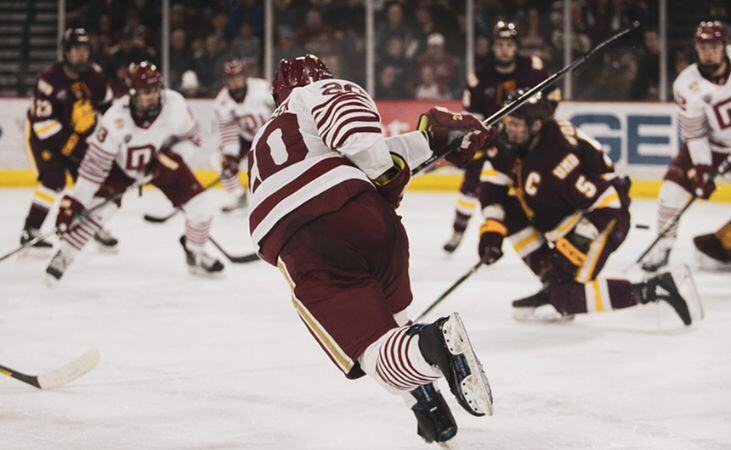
60	376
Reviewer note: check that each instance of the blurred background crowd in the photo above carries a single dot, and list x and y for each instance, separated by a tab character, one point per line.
419	44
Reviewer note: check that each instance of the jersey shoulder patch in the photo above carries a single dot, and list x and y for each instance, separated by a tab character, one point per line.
536	63
44	87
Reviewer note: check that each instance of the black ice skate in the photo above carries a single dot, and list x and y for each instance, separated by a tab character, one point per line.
201	263
106	241
57	266
453	242
676	288
538	308
29	234
710	253
445	344
238	204
435	422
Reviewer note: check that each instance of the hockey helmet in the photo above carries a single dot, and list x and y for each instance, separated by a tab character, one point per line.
710	31
505	30
144	77
234	73
538	107
297	72
74	37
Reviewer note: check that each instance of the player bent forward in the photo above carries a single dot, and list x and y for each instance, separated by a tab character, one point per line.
324	187
139	136
566	214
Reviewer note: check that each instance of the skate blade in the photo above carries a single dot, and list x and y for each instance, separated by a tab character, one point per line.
109	250
684	283
705	262
475	388
202	273
543	314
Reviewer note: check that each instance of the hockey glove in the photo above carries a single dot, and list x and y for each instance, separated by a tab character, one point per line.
442	127
392	183
229	166
68	209
492	233
700	179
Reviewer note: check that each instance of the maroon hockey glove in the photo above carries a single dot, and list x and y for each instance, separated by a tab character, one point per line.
68	209
229	166
391	185
443	126
492	233
700	179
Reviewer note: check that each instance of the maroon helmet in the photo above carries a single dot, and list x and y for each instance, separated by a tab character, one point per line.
710	31
143	76
233	67
297	72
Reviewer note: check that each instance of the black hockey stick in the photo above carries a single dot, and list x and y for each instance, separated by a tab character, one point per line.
241	259
721	169
518	102
162	219
63	375
55	230
449	290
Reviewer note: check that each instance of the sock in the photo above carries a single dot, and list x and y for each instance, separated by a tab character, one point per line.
43	200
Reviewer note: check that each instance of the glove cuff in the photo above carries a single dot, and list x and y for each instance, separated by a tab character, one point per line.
493	226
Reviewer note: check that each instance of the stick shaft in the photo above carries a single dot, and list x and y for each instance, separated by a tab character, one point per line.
449	290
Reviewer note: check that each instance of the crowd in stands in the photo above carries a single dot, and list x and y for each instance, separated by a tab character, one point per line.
419	44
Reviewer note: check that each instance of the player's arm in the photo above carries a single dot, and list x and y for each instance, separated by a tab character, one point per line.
494	185
57	132
186	137
228	141
694	131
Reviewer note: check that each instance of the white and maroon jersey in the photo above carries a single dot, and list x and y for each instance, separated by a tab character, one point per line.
704	113
322	146
242	120
130	145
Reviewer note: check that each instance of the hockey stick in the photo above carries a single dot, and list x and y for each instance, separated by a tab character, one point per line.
162	219
83	213
449	290
518	102
241	259
721	169
60	376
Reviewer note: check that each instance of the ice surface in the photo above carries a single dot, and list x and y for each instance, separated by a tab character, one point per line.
189	363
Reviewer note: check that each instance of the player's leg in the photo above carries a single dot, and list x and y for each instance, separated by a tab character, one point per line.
231	183
176	181
713	250
467	202
85	227
51	175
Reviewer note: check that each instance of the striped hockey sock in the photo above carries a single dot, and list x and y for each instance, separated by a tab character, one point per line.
196	234
81	231
233	186
396	361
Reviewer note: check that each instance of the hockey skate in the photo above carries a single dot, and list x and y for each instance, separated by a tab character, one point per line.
29	234
106	241
537	308
201	263
659	256
238	204
435	422
57	267
445	345
677	288
710	254
453	242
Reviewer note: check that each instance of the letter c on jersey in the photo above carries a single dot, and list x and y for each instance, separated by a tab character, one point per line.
531	183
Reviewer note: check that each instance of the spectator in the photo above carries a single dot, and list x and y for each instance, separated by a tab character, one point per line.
317	38
209	65
444	66
181	59
425	26
533	42
429	88
128	51
646	86
189	84
246	45
396	27
390	84
482	51
288	46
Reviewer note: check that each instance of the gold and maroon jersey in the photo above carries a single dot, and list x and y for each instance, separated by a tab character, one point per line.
63	111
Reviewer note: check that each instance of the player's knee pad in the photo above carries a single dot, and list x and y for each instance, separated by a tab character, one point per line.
396	362
199	208
673	195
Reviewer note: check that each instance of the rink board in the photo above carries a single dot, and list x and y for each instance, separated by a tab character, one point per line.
640	137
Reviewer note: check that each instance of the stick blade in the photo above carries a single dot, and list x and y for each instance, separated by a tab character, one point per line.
154	219
70	371
244	258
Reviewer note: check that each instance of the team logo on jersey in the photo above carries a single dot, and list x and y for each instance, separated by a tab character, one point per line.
707	99
119	123
127	138
722	110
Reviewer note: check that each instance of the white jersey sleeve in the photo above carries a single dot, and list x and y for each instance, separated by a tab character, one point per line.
104	146
694	126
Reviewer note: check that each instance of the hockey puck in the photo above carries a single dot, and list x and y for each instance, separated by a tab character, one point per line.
642	226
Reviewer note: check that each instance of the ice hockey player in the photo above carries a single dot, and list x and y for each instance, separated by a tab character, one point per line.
565	211
713	250
242	106
62	114
701	94
142	135
324	187
485	94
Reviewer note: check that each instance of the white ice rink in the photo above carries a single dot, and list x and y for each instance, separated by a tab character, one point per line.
190	363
